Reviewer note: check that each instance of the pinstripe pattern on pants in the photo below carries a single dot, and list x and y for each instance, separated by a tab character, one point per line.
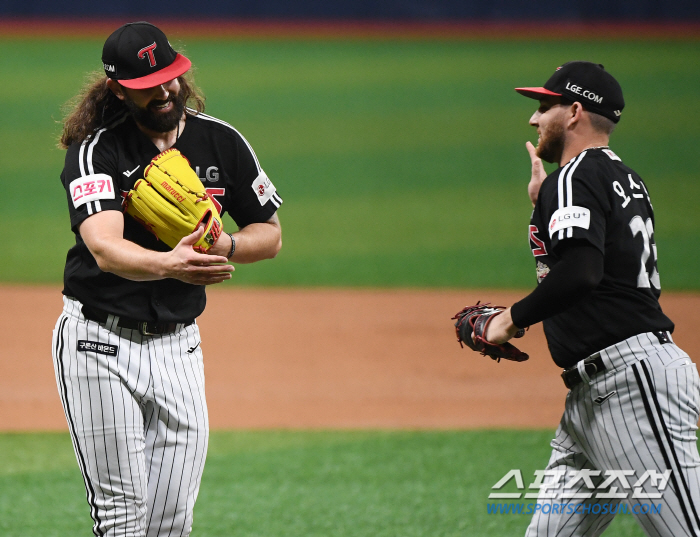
138	421
641	414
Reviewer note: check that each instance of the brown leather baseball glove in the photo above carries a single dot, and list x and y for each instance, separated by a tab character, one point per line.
473	321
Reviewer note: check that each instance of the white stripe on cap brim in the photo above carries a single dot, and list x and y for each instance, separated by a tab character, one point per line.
179	67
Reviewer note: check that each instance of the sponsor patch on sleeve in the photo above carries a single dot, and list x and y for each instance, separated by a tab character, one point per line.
569	217
263	188
91	188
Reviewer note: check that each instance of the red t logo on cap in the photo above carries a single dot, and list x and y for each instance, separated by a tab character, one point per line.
148	50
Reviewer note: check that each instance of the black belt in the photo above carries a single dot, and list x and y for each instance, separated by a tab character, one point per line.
594	364
145	328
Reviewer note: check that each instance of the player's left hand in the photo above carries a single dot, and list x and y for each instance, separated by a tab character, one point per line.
538	173
501	328
474	321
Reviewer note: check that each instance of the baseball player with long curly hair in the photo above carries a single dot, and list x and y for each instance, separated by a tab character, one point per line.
126	348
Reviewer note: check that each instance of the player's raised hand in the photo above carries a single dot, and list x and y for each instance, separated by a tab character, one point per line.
538	173
188	265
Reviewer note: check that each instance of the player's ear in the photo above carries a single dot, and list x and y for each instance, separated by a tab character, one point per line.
574	114
116	88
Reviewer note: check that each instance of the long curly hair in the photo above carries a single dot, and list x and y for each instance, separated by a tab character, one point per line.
96	105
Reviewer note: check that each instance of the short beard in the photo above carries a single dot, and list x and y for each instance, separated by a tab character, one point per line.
551	146
154	121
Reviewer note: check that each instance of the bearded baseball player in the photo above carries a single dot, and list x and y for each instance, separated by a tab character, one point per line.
628	433
147	178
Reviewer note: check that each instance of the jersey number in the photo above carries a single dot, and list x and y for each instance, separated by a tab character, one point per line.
539	248
216	192
646	229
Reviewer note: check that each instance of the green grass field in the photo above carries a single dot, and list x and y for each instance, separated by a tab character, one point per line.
401	163
305	484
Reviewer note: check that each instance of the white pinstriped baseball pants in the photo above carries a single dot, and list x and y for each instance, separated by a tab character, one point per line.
138	421
648	423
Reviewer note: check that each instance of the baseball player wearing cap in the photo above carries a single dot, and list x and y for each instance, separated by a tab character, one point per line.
126	348
628	433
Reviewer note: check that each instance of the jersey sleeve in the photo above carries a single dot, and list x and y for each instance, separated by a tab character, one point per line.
90	179
252	197
579	206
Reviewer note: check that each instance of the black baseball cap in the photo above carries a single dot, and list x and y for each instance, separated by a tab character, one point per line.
584	82
138	56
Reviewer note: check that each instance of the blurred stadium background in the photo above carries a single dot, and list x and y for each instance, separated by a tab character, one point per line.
390	128
391	10
392	131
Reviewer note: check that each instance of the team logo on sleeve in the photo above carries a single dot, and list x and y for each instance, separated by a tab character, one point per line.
569	217
91	188
263	188
542	271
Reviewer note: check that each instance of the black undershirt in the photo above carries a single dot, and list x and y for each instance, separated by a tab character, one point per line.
578	272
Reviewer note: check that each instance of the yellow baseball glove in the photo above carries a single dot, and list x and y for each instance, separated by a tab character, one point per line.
171	202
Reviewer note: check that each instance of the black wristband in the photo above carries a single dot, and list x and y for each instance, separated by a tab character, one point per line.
233	246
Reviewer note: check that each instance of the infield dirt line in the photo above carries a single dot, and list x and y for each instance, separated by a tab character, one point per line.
325	358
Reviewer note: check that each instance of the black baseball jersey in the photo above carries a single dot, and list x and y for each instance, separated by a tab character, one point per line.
596	198
100	171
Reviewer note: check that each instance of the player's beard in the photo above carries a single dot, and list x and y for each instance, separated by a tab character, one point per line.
551	145
156	121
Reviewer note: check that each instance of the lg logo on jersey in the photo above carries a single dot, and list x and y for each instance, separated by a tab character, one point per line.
211	175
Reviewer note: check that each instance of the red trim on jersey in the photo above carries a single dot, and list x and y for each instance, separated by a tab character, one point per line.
213	192
541	249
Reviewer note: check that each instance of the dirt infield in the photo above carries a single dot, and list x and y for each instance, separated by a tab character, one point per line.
324	358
